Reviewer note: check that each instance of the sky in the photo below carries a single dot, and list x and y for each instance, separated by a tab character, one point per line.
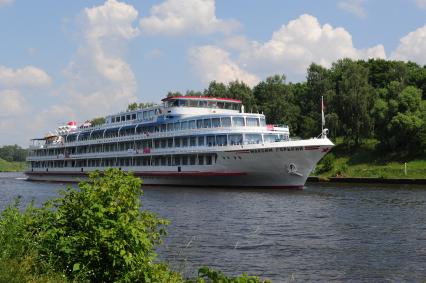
75	60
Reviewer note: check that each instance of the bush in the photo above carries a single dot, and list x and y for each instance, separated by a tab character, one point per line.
326	164
93	233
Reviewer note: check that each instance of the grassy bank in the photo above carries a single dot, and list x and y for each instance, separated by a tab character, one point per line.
7	166
368	161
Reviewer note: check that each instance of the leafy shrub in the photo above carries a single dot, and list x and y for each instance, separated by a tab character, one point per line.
99	232
93	233
326	164
208	275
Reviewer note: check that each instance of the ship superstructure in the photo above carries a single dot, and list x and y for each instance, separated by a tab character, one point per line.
189	141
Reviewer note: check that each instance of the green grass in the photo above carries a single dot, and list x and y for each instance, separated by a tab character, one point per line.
367	161
6	166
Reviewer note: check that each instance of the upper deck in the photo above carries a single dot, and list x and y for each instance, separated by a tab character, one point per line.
175	116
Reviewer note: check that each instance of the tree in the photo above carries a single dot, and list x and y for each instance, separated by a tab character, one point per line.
239	90
98	121
216	89
353	101
275	100
132	106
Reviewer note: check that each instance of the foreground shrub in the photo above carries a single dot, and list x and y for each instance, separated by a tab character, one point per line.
93	233
99	232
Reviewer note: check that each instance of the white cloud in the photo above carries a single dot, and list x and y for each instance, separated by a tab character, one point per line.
5	2
174	17
12	103
302	41
421	4
212	63
412	47
99	80
355	7
28	76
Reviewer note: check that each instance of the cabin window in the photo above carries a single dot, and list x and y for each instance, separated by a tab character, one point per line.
181	103
211	141
192	141
199	124
117	119
123	118
253	139
177	142
226	121
193	103
133	116
170	127
238	121
177	126
192	124
184	160
184	141
139	116
208	160
113	119
162	127
252	122
216	122
170	142
211	104
201	141
221	140
184	125
262	122
200	160
192	160
207	123
220	104
202	103
235	139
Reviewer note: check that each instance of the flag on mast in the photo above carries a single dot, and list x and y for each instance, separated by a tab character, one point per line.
322	112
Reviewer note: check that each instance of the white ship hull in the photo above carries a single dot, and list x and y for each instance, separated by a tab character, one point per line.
284	164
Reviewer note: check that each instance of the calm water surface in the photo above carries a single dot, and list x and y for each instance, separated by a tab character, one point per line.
327	232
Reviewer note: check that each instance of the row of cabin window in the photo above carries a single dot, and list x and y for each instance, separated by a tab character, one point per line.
166	160
203	104
184	125
145	116
176	142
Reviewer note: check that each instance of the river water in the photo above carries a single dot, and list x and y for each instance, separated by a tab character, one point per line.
326	232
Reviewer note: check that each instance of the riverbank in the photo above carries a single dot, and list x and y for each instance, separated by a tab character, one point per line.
12	166
369	163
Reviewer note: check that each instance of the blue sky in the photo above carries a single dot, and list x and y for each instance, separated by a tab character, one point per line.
75	60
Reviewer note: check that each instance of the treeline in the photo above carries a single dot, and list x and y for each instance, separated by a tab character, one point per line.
364	100
13	153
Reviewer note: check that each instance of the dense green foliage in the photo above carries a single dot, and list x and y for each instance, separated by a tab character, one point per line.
13	153
94	233
97	121
364	100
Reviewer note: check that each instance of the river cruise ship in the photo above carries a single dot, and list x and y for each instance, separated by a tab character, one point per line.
185	141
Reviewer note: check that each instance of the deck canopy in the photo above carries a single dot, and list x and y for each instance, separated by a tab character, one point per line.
127	130
84	135
96	134
111	132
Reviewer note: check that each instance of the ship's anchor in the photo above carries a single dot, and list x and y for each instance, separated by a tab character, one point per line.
292	170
